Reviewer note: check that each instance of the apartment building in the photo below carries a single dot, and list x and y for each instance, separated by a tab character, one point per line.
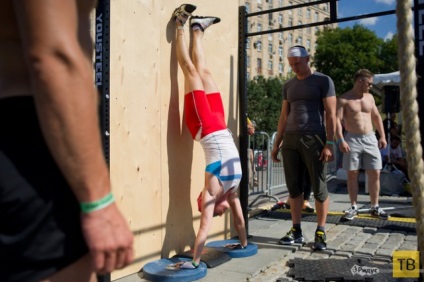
266	54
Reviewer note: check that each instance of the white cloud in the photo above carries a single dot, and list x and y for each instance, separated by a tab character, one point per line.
387	2
388	36
369	21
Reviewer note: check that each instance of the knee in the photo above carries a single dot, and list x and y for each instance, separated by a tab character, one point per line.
321	196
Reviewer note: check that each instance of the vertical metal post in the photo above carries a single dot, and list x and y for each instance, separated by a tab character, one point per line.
102	68
244	184
102	79
419	54
333	10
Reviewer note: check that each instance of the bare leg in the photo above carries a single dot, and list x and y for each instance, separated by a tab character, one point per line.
296	205
352	186
322	211
374	185
81	270
199	61
192	79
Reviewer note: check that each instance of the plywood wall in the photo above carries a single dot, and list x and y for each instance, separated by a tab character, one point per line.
157	170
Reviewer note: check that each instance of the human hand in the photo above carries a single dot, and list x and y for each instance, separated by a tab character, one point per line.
274	154
326	154
234	246
109	239
181	265
344	147
382	143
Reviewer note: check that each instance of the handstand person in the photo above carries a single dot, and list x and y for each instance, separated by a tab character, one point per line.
204	116
58	218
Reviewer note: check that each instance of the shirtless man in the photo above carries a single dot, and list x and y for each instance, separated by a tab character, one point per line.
360	147
59	221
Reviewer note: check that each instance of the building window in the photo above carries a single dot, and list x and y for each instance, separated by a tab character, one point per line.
259	1
299	40
299	23
259	27
316	16
270	71
290	23
280	3
259	10
308	13
248	43
259	46
308	30
299	11
308	44
280	68
280	18
280	35
247	7
270	48
290	39
280	51
248	61
259	65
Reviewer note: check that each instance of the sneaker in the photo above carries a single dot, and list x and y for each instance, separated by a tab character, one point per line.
293	236
319	243
203	22
350	214
183	12
379	212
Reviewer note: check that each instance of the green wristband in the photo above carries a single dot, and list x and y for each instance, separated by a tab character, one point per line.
329	142
87	207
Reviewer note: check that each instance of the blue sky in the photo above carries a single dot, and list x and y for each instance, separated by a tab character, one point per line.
383	26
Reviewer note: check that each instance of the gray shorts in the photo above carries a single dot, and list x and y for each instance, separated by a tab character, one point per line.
364	152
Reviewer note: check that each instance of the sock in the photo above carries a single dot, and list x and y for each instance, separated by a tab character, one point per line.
321	228
355	207
196	27
297	227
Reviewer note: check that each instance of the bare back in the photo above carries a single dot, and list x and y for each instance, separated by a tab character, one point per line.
14	77
356	112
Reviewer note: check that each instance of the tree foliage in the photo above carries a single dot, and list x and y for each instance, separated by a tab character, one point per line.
264	98
341	52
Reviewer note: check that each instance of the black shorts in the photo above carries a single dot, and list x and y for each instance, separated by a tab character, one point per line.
40	224
301	155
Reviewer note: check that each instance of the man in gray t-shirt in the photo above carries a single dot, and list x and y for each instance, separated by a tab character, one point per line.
307	123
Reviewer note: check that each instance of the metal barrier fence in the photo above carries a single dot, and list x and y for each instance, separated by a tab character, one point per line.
268	176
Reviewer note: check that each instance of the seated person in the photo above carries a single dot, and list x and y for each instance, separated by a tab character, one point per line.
396	156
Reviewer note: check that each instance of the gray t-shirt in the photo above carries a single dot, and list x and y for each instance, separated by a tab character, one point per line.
306	115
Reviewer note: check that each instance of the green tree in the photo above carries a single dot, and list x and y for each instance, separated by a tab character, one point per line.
264	98
389	55
341	52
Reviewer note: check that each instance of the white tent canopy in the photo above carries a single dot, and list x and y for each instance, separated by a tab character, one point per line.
384	79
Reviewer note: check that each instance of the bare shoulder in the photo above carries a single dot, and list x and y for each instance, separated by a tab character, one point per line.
343	98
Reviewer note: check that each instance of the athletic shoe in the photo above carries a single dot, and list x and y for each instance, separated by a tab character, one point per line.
319	243
183	12
293	236
379	212
350	214
203	22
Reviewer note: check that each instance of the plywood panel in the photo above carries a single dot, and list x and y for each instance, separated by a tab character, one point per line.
157	170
